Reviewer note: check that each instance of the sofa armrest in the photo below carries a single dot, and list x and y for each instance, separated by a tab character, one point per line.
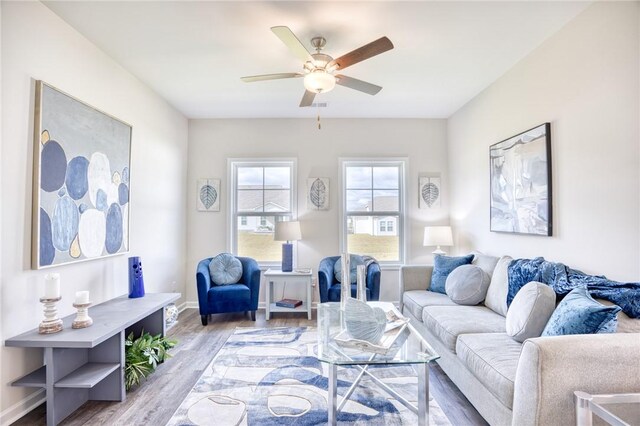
203	284
373	281
325	277
251	275
414	277
550	369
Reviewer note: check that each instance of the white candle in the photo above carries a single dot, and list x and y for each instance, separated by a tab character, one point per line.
51	286
82	297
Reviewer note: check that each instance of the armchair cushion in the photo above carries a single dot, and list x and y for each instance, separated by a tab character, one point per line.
225	269
329	288
355	260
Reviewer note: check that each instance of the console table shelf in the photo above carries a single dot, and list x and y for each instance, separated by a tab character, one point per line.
88	363
87	376
36	379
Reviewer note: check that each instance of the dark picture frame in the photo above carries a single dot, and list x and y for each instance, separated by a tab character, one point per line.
520	183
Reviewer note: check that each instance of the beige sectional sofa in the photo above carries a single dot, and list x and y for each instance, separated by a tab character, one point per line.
512	383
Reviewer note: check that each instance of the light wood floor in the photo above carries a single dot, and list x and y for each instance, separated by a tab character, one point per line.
155	401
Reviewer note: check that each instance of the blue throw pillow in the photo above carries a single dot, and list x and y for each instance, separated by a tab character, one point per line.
579	313
225	269
442	267
353	270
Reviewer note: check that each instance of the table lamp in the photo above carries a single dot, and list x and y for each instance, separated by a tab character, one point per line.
437	236
287	232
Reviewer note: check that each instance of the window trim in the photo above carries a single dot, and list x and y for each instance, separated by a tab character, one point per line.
403	163
232	216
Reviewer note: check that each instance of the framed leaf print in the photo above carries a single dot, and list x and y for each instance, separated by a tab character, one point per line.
318	193
430	192
208	195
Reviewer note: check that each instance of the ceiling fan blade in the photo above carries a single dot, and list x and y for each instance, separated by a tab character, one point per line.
367	51
263	77
354	83
289	38
307	98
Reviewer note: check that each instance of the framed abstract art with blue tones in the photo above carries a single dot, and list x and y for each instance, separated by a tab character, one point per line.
82	176
521	183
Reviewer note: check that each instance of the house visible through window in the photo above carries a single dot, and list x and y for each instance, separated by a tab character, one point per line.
373	208
262	193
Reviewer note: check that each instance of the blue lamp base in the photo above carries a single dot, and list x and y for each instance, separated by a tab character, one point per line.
287	257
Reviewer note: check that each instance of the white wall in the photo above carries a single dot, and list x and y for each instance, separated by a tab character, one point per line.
36	44
585	81
211	142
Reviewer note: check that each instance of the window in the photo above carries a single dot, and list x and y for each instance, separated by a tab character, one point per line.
373	208
262	193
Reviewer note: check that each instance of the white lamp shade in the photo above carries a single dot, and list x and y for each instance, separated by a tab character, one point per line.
437	236
287	231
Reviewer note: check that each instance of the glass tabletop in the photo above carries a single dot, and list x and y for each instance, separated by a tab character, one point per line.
622	409
403	345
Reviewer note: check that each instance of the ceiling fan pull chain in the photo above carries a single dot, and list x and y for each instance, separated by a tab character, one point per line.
318	108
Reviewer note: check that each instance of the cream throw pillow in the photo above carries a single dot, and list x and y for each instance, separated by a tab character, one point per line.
496	299
530	311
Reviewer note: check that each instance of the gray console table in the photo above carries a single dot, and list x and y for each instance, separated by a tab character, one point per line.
88	363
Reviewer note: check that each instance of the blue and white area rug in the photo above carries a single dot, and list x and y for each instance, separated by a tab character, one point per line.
272	377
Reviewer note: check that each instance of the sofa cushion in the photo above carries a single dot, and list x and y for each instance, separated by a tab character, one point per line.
530	311
415	300
225	269
485	262
579	313
626	324
496	299
493	360
467	285
448	322
442	267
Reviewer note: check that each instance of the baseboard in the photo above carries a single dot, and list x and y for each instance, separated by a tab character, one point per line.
20	408
261	305
188	305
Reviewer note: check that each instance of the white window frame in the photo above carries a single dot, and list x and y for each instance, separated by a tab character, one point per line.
403	164
232	219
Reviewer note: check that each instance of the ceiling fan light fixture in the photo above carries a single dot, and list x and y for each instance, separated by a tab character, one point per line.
319	81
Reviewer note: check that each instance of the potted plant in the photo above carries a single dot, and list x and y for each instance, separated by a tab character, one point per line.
142	356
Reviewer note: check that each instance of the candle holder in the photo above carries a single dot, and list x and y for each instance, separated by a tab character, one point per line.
51	323
82	319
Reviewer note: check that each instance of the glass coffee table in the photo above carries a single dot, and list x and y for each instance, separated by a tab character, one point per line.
615	409
408	348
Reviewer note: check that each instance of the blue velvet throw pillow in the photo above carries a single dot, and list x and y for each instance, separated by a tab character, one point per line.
579	313
225	269
353	270
442	267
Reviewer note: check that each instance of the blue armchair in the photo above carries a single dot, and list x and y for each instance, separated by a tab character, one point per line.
239	297
330	287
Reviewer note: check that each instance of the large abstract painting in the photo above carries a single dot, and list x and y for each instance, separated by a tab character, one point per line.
81	181
521	183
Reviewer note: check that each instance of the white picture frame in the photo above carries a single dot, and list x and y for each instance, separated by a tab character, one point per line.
318	193
208	195
429	192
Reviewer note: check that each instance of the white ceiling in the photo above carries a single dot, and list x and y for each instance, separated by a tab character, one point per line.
194	53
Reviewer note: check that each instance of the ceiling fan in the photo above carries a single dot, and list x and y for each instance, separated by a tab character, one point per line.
319	69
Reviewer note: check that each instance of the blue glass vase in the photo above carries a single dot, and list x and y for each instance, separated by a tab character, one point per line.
136	280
